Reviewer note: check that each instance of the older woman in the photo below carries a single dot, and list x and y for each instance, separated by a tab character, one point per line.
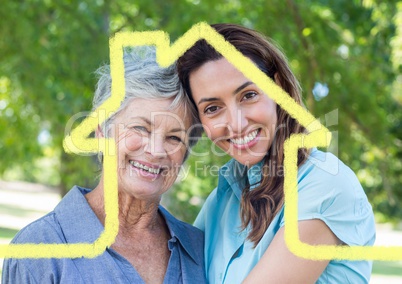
152	140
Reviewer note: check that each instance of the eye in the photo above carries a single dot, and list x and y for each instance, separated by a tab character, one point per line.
140	128
175	138
211	109
249	95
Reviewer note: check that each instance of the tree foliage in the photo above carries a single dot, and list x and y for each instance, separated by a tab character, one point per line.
49	50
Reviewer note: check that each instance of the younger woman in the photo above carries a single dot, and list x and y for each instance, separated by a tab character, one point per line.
243	217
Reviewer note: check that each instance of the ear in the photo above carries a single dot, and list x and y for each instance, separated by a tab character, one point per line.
99	133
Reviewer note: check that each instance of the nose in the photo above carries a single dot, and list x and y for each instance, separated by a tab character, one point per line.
155	146
236	120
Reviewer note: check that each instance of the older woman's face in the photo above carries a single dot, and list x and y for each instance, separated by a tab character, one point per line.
151	143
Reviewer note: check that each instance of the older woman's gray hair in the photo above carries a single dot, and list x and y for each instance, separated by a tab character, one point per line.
145	79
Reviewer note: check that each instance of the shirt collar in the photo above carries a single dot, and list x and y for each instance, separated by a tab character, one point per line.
80	224
182	232
254	174
232	176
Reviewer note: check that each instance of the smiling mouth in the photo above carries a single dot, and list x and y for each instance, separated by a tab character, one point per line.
246	139
140	166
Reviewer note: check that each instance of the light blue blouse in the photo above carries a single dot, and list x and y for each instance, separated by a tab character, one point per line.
327	190
73	221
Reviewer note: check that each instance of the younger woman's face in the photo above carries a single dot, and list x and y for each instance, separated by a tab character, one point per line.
237	116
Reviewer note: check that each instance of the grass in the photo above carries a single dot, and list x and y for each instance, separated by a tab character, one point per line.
391	268
6	233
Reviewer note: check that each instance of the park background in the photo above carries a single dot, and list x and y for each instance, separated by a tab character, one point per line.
347	55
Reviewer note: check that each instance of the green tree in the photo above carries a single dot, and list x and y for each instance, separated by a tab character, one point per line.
49	50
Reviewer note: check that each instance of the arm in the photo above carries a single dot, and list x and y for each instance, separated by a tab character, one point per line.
279	265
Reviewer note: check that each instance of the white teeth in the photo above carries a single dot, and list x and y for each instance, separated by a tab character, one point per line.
145	168
246	139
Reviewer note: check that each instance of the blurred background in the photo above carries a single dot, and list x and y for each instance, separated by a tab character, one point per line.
347	55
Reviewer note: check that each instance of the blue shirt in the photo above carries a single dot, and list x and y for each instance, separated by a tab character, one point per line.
327	190
73	221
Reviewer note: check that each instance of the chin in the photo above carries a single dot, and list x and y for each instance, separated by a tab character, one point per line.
248	161
247	157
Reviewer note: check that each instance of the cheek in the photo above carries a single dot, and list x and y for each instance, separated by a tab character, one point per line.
130	141
274	117
272	125
210	128
176	161
268	113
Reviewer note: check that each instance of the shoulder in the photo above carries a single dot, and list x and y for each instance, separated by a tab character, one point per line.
323	171
69	222
43	230
324	163
329	190
50	228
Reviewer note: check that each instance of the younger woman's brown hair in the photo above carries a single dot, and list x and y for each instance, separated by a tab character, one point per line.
260	205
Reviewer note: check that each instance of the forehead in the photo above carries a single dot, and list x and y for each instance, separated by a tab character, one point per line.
217	67
216	75
156	111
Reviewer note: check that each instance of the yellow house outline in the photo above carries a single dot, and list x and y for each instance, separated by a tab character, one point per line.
78	142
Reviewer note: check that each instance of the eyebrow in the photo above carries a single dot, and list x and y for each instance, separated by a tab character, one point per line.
147	121
178	130
244	85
